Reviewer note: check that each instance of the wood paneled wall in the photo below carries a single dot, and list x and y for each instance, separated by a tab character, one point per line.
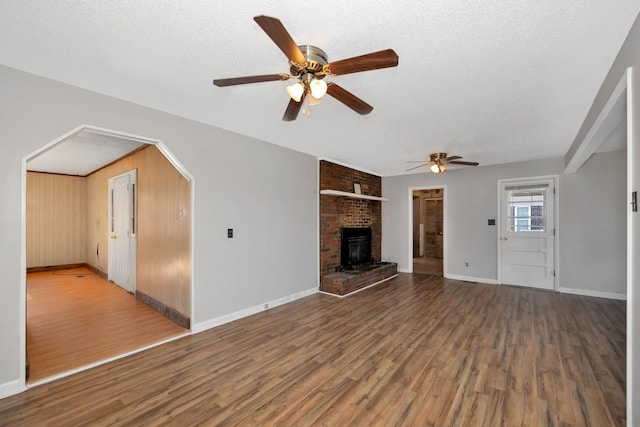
164	226
164	231
56	219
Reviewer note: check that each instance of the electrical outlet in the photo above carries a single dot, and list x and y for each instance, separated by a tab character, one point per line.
466	264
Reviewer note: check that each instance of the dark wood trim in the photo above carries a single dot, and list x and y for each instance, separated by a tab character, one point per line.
166	311
55	267
101	274
142	147
57	173
131	153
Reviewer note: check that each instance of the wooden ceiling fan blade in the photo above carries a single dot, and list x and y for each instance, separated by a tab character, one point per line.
457	162
348	99
416	167
281	37
448	159
250	79
293	109
371	61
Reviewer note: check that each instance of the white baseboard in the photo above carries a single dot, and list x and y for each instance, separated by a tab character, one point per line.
471	279
212	323
589	293
11	388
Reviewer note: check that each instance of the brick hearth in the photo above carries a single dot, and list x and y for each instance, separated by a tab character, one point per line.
345	282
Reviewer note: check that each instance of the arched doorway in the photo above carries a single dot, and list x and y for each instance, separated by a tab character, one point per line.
161	223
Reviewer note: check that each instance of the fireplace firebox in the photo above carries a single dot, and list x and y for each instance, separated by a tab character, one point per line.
355	247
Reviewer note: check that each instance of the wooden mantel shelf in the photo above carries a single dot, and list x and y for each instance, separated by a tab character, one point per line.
352	195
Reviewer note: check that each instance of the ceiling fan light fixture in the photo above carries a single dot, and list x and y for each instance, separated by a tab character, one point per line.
318	88
438	162
296	91
438	168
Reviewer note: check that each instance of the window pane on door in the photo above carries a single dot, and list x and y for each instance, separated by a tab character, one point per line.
526	210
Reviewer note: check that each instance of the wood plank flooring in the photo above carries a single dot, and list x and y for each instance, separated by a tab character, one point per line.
417	350
428	265
75	318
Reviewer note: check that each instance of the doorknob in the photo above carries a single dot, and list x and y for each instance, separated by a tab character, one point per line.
504	238
114	237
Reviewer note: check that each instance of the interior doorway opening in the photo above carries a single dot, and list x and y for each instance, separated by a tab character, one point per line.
78	249
428	231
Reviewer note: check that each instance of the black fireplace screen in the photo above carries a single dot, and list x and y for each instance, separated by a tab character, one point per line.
355	247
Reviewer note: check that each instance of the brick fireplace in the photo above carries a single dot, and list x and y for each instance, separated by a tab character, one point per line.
339	212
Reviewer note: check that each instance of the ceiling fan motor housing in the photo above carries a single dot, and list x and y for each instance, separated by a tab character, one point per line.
438	157
316	59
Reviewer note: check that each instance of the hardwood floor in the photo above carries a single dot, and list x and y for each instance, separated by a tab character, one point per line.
417	350
75	318
427	265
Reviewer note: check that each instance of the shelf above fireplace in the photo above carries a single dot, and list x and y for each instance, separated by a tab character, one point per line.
352	195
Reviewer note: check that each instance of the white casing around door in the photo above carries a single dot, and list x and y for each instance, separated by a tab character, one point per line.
527	233
122	230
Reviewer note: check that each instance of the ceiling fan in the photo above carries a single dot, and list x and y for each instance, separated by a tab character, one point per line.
438	162
309	65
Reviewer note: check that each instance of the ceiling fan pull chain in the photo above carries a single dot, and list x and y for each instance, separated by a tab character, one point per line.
306	110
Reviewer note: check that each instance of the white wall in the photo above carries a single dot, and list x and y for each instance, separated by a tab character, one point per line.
471	198
266	193
593	234
592	243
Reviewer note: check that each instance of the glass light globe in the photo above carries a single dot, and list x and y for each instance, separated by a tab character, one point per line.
318	88
295	91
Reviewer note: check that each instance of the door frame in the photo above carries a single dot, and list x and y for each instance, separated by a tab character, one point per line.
410	225
556	219
631	82
132	201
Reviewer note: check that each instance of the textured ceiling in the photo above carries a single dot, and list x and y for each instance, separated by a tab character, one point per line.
82	153
492	81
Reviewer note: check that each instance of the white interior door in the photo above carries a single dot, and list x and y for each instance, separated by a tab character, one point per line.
122	230
527	233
